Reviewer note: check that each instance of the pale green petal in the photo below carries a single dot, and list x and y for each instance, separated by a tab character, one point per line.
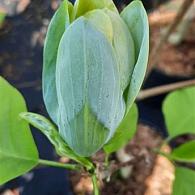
88	88
136	19
124	48
102	22
115	29
83	6
71	11
56	29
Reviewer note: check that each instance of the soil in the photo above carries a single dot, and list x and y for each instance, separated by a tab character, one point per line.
178	59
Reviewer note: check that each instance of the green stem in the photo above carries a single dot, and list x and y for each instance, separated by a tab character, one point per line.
106	162
168	156
95	185
60	165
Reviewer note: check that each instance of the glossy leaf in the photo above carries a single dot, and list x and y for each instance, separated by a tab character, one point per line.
18	152
136	19
56	29
124	132
90	99
185	152
82	6
49	130
184	181
179	112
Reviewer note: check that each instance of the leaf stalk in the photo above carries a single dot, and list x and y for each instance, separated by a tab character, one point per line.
59	165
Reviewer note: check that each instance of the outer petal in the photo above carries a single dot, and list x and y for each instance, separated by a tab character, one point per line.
124	48
83	6
88	88
71	11
115	29
136	19
55	31
102	22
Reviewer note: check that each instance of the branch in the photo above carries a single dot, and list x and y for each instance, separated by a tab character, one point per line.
164	89
158	47
157	19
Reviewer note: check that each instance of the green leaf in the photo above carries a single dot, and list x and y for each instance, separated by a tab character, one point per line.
2	17
56	28
90	99
179	112
49	130
185	152
124	132
83	6
136	19
18	152
184	182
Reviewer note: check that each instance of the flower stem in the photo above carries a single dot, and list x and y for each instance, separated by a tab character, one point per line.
106	161
95	185
60	165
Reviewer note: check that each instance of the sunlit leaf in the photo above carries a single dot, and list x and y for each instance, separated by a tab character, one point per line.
179	112
185	152
2	17
184	182
18	152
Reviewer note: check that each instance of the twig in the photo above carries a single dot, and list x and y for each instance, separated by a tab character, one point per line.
157	19
164	89
157	48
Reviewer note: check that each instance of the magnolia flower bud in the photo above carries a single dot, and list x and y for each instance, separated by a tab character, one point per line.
94	64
